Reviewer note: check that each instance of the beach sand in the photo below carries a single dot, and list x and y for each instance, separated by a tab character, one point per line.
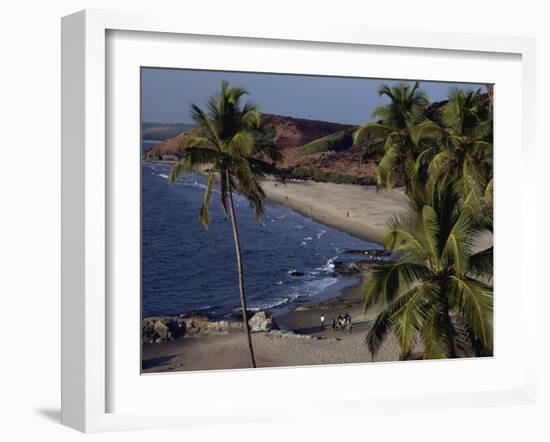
358	210
307	345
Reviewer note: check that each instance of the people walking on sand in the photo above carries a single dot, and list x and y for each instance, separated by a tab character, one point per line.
341	321
322	321
348	321
333	323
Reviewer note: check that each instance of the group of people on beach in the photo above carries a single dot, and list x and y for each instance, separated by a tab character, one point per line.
342	322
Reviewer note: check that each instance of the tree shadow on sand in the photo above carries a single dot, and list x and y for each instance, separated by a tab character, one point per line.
156	362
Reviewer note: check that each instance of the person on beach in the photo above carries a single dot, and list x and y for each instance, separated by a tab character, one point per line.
348	321
333	323
322	321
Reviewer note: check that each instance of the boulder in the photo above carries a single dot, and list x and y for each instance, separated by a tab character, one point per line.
162	329
261	322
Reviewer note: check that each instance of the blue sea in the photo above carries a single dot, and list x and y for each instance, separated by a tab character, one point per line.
186	268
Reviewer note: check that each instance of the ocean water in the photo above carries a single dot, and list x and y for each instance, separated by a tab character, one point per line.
186	268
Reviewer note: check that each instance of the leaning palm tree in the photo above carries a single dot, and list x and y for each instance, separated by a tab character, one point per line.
437	292
234	149
397	129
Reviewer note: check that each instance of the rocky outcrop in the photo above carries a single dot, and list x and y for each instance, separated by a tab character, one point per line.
359	266
261	321
159	329
162	329
369	252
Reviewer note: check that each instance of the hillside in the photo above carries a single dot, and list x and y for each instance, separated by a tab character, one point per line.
312	149
162	131
290	135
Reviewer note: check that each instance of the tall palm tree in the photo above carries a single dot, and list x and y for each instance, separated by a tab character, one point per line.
397	129
233	148
438	290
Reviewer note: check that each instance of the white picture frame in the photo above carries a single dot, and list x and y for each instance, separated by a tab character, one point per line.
86	204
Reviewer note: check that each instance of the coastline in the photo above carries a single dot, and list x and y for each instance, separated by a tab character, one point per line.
336	205
303	342
361	211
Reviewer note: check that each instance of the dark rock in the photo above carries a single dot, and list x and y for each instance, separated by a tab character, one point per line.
369	252
162	329
296	273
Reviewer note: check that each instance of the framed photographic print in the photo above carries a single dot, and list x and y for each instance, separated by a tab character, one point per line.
282	210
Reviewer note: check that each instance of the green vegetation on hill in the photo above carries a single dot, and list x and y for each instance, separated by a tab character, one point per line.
337	142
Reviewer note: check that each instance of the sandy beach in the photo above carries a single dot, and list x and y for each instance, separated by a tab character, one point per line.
306	344
358	210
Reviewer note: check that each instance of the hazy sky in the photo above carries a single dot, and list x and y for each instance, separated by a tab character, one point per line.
167	94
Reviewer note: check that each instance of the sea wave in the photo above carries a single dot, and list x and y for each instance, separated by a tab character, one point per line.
329	265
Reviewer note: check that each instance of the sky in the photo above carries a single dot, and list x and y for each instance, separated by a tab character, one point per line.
166	94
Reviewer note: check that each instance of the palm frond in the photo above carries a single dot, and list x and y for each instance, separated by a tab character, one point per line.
204	215
435	339
482	264
473	302
408	320
371	131
388	319
385	282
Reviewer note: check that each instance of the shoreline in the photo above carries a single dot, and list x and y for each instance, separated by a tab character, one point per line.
335	205
304	343
361	211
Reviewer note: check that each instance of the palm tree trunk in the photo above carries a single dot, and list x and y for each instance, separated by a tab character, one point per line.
241	275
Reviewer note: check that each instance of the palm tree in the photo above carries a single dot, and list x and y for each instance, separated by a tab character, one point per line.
397	128
438	290
235	149
464	143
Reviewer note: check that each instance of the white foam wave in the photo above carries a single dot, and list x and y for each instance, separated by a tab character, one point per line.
318	285
329	265
277	302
